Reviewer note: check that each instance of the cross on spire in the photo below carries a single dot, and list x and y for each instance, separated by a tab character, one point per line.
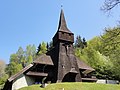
61	6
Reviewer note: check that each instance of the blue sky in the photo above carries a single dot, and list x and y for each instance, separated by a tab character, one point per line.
24	22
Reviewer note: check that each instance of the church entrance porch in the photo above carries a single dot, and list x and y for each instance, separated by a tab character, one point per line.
69	77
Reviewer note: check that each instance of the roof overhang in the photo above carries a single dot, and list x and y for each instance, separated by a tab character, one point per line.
43	59
19	73
31	73
84	66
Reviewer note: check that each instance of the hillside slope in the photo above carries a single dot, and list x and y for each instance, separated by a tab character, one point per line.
74	86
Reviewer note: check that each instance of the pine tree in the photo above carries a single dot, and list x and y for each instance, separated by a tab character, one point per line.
80	43
84	43
38	50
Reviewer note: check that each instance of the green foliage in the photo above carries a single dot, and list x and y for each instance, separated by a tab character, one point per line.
103	54
96	60
42	48
1	86
20	53
14	58
38	49
80	43
74	86
2	67
111	48
29	59
3	79
3	75
30	50
95	43
13	68
30	54
21	59
92	56
111	41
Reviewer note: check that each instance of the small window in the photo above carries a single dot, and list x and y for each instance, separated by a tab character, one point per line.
63	66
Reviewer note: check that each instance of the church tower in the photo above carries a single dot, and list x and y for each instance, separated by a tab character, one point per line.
66	63
63	33
59	64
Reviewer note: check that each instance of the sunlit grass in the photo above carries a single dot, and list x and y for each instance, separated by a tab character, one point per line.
74	86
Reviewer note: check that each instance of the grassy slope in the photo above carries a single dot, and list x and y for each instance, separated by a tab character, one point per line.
74	86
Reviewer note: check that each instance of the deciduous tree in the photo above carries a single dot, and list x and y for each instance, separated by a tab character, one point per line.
111	47
42	48
3	75
20	59
110	4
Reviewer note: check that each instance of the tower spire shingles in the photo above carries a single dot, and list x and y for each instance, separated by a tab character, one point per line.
62	23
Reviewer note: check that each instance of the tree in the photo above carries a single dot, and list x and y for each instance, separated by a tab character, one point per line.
111	48
20	59
20	53
42	48
13	68
14	58
95	43
84	42
38	50
80	43
111	41
30	54
2	68
30	50
47	46
50	45
110	4
3	75
108	46
95	59
29	59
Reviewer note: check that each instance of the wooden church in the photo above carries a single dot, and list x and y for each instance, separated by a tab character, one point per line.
58	65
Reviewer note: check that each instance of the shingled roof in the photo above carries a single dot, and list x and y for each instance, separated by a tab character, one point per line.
83	65
62	23
19	73
43	59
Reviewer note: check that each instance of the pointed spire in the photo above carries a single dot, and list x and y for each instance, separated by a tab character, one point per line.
62	23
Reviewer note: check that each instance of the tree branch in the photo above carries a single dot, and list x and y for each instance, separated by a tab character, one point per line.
109	5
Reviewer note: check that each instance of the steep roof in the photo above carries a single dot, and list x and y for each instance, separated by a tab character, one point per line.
83	65
43	59
62	23
19	73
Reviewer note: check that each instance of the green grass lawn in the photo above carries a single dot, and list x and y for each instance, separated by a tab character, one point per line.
74	86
